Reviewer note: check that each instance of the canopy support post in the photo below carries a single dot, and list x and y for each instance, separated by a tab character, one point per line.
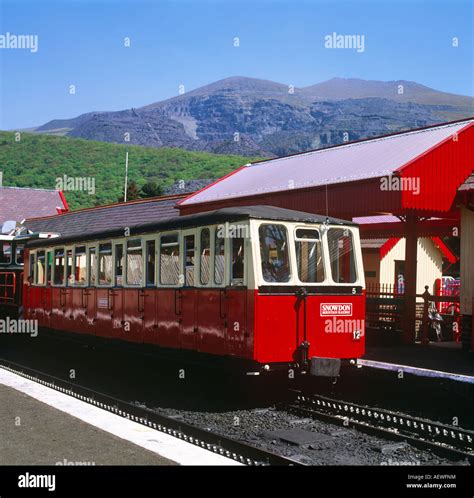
411	246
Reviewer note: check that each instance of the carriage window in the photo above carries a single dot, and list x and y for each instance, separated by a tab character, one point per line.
80	265
19	254
49	267
238	259
105	264
219	259
92	266
150	262
169	259
119	262
31	272
5	253
274	253
189	260
58	263
40	268
309	257
341	255
134	262
69	273
205	256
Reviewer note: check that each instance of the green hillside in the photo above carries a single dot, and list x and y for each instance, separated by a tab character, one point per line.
38	160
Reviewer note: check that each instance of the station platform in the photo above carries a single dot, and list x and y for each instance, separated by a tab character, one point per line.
440	360
41	426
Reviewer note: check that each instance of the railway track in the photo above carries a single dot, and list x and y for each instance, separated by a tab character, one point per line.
225	446
452	441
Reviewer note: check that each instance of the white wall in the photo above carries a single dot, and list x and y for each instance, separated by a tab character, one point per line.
429	264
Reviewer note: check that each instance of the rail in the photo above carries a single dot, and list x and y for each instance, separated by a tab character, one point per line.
450	440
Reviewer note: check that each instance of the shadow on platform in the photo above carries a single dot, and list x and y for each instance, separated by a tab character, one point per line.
443	357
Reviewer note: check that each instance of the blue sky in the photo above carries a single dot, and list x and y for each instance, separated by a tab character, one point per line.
190	42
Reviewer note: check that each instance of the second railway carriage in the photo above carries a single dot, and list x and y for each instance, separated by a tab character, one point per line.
11	270
269	286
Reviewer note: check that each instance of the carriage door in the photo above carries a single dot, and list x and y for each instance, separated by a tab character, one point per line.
117	292
236	298
46	292
90	293
150	318
188	333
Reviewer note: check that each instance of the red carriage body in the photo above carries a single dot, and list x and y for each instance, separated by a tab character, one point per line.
269	286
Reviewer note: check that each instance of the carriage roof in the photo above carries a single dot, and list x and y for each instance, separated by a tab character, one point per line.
199	219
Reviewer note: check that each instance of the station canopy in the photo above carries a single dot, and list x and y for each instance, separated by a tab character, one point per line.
418	171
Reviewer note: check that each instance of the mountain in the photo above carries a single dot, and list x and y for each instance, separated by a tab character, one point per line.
41	161
399	91
254	117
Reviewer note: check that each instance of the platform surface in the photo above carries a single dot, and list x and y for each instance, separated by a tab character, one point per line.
33	433
41	426
447	358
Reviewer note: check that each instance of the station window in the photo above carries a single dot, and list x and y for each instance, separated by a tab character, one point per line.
134	262
5	253
189	260
150	262
105	264
69	268
341	255
238	248
92	263
40	268
119	262
169	259
219	259
80	265
59	266
205	251
19	251
274	253
309	256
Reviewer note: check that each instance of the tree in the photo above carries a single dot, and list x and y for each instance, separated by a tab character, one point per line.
133	192
151	189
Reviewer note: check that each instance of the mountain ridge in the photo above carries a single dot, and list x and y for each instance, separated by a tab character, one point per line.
251	116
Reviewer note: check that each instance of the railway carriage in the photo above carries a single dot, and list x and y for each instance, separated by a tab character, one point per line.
11	275
270	287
